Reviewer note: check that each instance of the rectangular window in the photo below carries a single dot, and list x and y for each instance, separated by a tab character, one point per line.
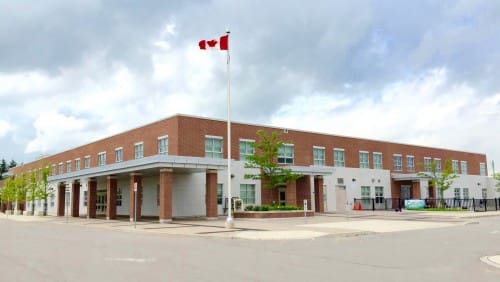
427	164
437	162
484	193
60	168
163	145
410	163
246	149
77	164
68	166
377	160
213	147
52	202
285	154
338	157
463	167
219	194
365	196
118	155
454	166
87	162
85	195
482	169
119	196
465	193
101	159
398	162
53	170
364	159
139	150
319	156
457	193
247	193
379	194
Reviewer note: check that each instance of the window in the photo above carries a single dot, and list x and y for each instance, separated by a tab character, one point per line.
482	169
119	196
158	195
68	166
465	193
484	193
427	164
53	170
365	196
52	202
364	161
101	159
437	162
87	162
457	193
247	193
77	164
213	147
398	162
340	181
85	195
379	194
60	168
163	145
338	157
139	150
285	154
454	166
463	167
319	156
377	160
410	163
118	155
246	149
219	194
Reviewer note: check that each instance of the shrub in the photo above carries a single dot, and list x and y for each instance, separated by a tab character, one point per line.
264	208
249	208
256	208
284	208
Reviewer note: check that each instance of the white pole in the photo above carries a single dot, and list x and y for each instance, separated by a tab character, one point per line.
135	204
229	221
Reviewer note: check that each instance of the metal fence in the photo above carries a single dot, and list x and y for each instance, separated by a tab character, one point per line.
477	205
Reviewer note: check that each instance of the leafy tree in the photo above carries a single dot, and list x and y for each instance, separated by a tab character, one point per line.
43	191
497	178
21	188
9	191
265	159
12	164
32	187
3	168
441	180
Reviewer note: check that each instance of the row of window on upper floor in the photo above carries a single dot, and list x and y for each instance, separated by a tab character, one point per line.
214	148
102	160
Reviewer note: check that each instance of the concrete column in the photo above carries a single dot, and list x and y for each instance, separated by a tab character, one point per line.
135	178
166	185
319	202
111	185
211	194
91	198
61	194
75	199
291	193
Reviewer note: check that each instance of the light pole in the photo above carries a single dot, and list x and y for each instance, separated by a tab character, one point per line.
229	220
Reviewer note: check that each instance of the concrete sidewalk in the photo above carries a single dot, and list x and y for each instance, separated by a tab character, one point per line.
353	223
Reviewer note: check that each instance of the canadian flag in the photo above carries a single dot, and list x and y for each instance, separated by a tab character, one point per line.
221	44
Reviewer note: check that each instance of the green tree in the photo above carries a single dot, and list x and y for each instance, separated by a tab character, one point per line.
21	188
32	187
43	191
497	178
441	180
12	164
3	168
9	191
265	159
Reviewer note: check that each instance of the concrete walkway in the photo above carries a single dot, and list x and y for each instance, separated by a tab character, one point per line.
352	223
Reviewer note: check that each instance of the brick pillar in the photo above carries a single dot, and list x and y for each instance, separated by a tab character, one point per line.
166	185
135	178
91	198
75	199
291	193
319	203
416	193
211	194
61	194
111	185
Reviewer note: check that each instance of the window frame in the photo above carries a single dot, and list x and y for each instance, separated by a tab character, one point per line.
119	155
139	154
363	164
378	165
337	162
398	166
284	156
162	145
244	191
408	167
101	158
247	149
319	156
210	149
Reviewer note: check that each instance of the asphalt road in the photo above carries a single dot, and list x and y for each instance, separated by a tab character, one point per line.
38	251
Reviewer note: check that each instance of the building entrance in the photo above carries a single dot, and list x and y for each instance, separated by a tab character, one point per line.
101	202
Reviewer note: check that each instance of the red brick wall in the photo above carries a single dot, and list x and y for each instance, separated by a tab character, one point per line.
187	138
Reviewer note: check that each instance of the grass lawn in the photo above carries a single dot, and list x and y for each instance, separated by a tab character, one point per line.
440	209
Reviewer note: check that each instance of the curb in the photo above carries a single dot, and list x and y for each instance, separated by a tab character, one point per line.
491	260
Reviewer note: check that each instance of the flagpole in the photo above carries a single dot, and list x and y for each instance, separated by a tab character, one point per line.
229	220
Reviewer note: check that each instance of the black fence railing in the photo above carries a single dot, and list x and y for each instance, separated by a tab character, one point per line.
477	205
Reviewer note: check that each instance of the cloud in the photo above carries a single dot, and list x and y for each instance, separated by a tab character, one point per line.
5	127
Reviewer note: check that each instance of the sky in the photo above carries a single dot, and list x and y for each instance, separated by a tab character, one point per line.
417	72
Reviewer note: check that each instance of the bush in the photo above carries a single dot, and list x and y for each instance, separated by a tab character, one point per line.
284	208
256	208
264	208
249	208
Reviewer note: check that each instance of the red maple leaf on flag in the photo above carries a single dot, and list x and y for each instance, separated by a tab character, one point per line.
212	43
